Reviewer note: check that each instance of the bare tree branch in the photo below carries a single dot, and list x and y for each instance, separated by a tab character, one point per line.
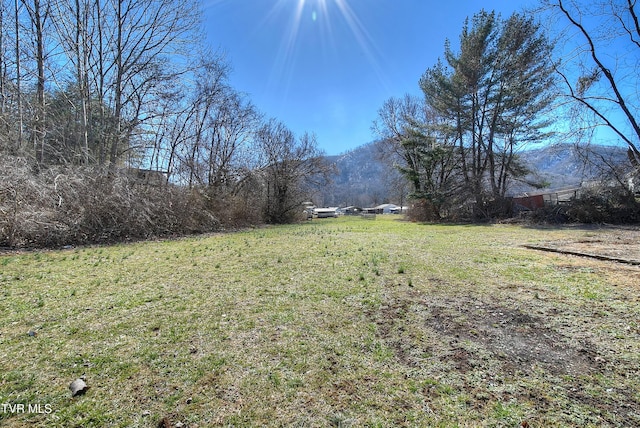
620	99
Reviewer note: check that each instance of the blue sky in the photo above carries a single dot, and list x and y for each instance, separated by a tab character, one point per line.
327	66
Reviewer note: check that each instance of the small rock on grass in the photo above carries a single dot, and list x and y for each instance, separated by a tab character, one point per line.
78	387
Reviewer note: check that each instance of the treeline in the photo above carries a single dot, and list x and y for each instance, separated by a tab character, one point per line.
504	88
117	122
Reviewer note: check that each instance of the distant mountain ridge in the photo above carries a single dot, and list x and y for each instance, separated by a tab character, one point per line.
565	165
363	179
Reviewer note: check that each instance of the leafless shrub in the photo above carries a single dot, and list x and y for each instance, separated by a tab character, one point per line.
604	204
422	211
598	204
66	206
237	211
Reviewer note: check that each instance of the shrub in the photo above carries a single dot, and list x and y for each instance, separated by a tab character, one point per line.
604	205
601	204
69	206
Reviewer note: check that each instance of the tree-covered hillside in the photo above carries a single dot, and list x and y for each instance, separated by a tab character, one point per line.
363	178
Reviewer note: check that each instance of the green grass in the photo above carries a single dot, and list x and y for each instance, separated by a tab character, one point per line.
336	322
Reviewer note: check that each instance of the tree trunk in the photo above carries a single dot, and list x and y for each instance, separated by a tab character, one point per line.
39	128
81	75
20	136
118	90
3	75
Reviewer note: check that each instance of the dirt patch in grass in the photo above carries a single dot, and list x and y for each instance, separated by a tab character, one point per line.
622	243
521	342
498	351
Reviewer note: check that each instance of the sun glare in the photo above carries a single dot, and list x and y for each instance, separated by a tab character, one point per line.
328	17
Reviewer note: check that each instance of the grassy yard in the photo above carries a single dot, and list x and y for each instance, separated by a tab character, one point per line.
336	322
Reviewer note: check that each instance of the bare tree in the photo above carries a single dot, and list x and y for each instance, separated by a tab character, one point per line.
4	78
72	30
288	164
19	103
38	14
418	144
146	33
396	118
209	93
99	68
600	63
232	128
